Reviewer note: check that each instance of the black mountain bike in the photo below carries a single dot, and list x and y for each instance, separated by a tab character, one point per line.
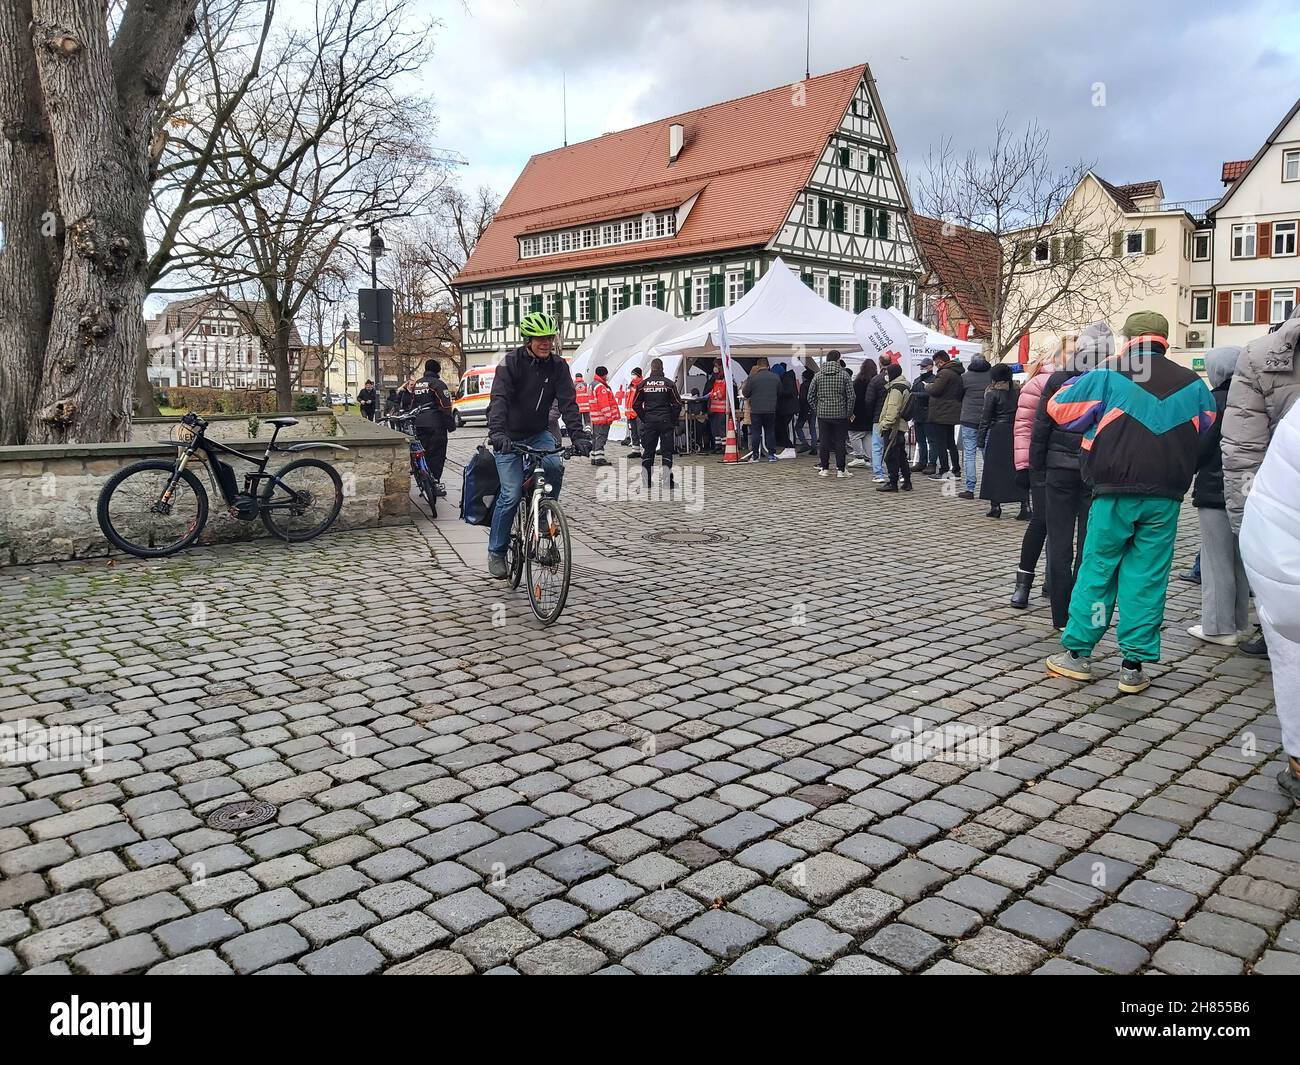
429	488
539	541
155	508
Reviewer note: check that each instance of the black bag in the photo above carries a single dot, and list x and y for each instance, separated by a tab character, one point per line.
910	405
479	488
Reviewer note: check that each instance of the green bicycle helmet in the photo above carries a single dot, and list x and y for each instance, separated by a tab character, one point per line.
538	324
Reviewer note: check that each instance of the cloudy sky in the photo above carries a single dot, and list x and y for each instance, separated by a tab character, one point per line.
1187	84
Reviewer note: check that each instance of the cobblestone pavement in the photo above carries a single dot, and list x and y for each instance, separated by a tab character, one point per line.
690	772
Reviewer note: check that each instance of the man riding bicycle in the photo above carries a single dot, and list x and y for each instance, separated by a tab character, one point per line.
526	383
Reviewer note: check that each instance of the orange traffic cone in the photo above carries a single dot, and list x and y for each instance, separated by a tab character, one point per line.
732	453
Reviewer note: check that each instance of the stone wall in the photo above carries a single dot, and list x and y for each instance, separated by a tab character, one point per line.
48	493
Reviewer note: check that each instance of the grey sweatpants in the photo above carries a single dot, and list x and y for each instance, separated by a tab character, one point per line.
1225	592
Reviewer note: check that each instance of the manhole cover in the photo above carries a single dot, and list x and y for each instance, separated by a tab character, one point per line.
237	816
685	537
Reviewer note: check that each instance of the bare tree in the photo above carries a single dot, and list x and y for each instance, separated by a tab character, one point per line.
1023	239
421	329
446	241
80	83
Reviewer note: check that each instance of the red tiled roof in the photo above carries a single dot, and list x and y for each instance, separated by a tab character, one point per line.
747	158
965	261
1234	170
1136	190
1125	195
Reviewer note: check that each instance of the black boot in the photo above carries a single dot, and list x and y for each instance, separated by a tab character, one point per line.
1024	582
1024	514
994	511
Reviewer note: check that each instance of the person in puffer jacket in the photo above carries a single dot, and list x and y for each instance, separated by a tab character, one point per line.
1270	549
1035	483
602	408
974	381
1142	417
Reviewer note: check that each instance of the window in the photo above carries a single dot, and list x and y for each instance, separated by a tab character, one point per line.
549	303
857	218
660	225
615	299
735	286
819	284
1201	247
1133	242
1284	238
584	305
588	237
1201	306
498	311
810	210
846	293
700	293
1283	305
607	234
478	314
1243	241
1291	165
1243	307
873	293
566	241
629	231
650	293
671	220
1042	252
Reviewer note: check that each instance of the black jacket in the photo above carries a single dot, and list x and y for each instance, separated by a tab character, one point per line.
430	392
1051	446
787	397
658	403
523	389
366	398
921	405
974	381
999	409
874	400
858	418
945	393
1207	489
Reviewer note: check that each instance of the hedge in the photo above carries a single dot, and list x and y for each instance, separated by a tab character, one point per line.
233	401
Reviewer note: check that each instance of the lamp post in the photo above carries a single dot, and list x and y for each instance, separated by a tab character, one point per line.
376	252
346	393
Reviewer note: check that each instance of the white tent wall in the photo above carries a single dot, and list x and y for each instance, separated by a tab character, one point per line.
616	337
933	341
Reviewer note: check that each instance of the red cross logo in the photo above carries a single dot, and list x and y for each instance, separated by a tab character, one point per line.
954	351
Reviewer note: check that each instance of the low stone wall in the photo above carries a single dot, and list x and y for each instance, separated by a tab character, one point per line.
48	493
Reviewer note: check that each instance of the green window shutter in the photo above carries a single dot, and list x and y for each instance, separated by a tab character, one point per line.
833	290
627	296
636	294
573	305
1149	242
886	295
871	164
749	278
686	297
821	211
487	314
659	294
859	296
838	215
807	279
882	224
593	304
717	296
869	221
844	157
604	303
1117	244
907	301
1055	250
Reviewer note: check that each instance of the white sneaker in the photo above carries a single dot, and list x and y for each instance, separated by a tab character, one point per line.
856	462
880	480
823	473
788	453
843	473
1222	641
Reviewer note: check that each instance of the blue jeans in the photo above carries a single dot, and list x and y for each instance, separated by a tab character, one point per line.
969	441
877	452
510	468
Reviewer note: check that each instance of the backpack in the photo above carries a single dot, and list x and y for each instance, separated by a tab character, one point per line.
480	485
910	405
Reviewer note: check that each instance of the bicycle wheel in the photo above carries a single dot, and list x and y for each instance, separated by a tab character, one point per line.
549	563
428	491
134	517
303	502
515	549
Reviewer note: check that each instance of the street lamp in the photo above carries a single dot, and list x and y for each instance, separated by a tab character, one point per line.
346	323
376	252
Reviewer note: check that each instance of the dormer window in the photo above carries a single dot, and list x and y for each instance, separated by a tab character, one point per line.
647	226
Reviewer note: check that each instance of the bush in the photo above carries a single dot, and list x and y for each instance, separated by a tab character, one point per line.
305	401
231	401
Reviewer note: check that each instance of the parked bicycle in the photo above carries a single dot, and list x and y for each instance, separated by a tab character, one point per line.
429	488
155	508
539	541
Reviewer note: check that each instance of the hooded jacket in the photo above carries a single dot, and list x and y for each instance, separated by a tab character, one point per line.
830	395
1207	489
922	404
891	413
1142	417
945	393
1270	531
974	381
1264	388
1023	428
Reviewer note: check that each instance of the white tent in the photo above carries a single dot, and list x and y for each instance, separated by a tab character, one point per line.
777	317
934	341
611	342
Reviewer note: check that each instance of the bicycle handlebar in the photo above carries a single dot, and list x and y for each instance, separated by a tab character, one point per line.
524	449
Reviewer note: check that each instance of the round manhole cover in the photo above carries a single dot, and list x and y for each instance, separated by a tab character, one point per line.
237	816
685	537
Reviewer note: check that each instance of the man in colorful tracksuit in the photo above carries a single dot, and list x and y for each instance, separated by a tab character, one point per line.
1142	417
603	408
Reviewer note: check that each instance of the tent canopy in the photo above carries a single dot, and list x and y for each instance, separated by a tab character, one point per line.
611	342
776	317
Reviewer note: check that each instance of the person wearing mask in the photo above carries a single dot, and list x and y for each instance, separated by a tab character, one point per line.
893	428
996	440
1264	387
429	396
831	398
787	406
860	416
920	405
633	423
1032	481
1225	593
761	390
716	390
602	408
974	381
366	400
807	416
943	413
584	399
875	400
1270	549
1054	450
658	406
1143	417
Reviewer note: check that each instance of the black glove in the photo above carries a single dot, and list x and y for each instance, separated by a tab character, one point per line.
581	444
1022	479
500	443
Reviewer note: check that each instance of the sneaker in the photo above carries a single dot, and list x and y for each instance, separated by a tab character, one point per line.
879	480
771	458
823	473
1230	640
941	475
887	488
1288	779
1068	664
1132	679
906	486
843	473
918	467
497	566
1254	647
965	495
1190	577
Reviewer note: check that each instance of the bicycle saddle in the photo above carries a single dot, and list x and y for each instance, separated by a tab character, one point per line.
282	422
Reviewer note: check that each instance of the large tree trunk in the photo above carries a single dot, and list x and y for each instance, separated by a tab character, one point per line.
145	407
280	360
99	100
29	213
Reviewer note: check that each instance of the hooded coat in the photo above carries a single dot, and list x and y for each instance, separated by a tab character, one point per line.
974	382
1207	489
945	393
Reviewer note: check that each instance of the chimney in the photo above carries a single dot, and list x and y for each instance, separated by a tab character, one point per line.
675	132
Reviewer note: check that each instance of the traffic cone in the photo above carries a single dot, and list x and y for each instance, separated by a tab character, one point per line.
732	453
